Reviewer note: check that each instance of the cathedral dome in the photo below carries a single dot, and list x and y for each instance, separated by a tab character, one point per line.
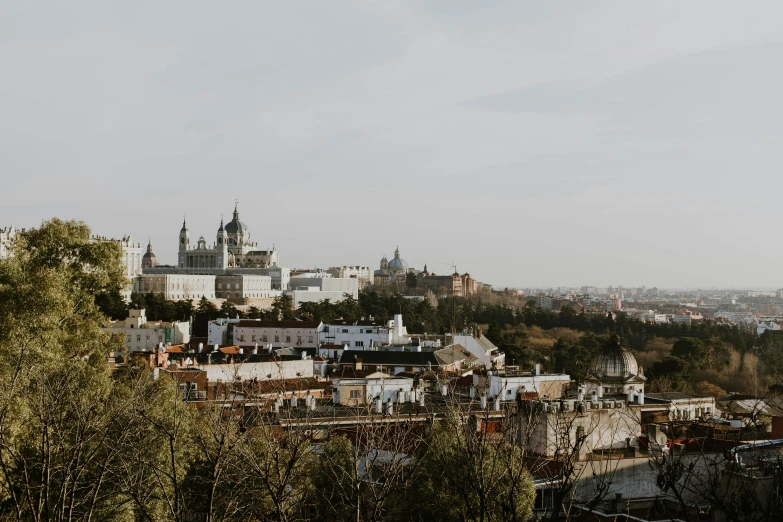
148	260
616	362
398	264
235	226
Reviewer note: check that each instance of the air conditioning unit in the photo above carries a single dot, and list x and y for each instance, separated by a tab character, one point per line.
619	404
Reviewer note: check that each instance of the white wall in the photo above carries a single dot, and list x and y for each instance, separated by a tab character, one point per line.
259	370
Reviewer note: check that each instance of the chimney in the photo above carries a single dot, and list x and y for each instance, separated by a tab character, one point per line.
200	347
537	369
255	349
389	407
496	404
293	400
378	405
241	351
640	397
444	389
483	402
357	363
630	396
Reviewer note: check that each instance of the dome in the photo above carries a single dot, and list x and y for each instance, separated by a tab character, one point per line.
235	226
616	363
398	264
148	260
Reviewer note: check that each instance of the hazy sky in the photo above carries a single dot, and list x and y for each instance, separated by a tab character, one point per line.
531	143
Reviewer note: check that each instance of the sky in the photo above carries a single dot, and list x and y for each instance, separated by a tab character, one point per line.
529	143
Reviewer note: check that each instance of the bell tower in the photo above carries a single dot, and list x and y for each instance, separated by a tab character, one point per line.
222	246
184	244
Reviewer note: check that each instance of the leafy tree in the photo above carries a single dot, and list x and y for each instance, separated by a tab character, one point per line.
486	480
410	280
690	349
283	307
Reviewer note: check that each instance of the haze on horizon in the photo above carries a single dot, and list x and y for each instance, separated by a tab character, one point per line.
530	143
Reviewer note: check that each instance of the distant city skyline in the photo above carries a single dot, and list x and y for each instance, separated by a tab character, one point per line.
531	144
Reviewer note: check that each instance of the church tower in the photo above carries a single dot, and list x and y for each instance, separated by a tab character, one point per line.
222	246
184	244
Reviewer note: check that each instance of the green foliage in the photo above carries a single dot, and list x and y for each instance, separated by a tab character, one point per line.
486	478
576	359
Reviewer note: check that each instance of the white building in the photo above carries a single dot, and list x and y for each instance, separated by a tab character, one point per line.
366	335
244	286
131	260
506	385
763	326
315	289
356	335
261	371
475	342
363	391
7	235
364	274
142	335
177	287
278	334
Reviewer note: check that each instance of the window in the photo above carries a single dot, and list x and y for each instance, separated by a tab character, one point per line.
345	330
138	338
359	343
277	338
355	394
242	337
287	338
254	337
310	339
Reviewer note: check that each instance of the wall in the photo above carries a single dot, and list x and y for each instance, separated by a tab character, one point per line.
258	370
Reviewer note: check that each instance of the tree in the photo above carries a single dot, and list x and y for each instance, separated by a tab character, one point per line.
283	308
58	408
691	350
410	280
486	480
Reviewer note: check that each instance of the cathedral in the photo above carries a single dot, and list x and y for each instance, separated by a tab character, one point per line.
233	248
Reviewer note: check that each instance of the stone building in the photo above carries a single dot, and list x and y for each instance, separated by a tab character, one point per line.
149	260
177	287
143	336
233	248
392	271
440	284
615	372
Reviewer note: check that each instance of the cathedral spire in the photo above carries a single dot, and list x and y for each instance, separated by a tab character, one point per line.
184	223
236	210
